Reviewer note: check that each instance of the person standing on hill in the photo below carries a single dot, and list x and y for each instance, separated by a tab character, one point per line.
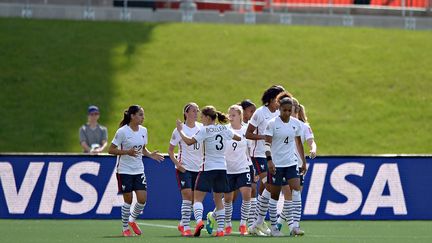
129	144
93	136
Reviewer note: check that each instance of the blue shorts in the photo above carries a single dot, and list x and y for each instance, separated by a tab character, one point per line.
235	181
301	180
260	165
283	174
129	183
186	180
212	180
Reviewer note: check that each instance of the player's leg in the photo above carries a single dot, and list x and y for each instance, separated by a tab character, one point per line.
285	216
124	183
294	183
245	190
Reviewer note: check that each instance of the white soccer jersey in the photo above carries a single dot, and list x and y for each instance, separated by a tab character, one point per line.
283	147
236	155
213	139
125	139
259	120
189	156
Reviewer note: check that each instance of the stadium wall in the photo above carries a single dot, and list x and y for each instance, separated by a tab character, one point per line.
409	20
66	186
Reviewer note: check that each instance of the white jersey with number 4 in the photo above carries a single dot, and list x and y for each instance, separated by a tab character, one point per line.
260	119
283	147
236	153
189	156
213	139
125	139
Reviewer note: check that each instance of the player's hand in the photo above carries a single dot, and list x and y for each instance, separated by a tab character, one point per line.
271	167
157	156
303	169
132	152
179	125
180	168
312	154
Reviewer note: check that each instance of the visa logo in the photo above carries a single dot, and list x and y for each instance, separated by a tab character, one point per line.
387	175
17	197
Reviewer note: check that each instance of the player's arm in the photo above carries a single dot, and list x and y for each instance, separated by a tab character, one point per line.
113	149
153	155
174	159
270	164
236	138
186	139
313	148
251	135
300	150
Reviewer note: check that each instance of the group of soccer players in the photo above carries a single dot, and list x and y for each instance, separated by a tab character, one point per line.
264	144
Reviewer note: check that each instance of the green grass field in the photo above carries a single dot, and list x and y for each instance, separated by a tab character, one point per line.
165	231
365	90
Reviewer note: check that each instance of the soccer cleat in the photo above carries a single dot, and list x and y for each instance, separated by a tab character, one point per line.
127	233
275	232
296	232
243	230
253	230
187	233
264	228
135	228
279	226
228	230
180	228
220	234
198	229
210	223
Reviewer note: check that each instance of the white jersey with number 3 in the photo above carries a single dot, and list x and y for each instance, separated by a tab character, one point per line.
213	139
283	147
260	119
189	156
125	139
236	153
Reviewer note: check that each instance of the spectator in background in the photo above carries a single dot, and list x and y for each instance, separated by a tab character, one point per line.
93	137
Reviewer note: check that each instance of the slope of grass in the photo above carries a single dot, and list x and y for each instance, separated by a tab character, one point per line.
365	90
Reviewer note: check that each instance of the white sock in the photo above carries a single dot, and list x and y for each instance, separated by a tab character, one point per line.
198	211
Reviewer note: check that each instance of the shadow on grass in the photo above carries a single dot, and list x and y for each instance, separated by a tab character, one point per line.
52	71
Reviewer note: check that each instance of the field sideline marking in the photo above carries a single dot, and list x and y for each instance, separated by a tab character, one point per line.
317	236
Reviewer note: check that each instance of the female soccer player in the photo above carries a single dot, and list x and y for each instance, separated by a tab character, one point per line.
238	170
213	175
284	149
129	144
307	135
187	163
248	110
255	132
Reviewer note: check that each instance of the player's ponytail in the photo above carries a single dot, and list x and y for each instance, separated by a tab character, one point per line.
127	114
222	118
302	114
